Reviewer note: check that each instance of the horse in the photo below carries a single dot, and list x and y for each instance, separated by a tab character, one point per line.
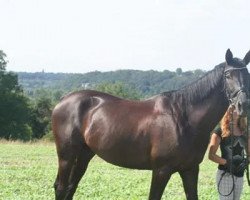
166	133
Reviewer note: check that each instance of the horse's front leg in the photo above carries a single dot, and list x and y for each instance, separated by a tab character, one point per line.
190	181
160	178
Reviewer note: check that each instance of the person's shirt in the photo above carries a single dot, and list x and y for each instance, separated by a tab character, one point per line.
231	145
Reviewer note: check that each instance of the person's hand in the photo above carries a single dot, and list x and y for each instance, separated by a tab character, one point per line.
237	165
242	166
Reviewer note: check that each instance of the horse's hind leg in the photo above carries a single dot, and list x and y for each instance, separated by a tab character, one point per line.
65	162
73	159
84	155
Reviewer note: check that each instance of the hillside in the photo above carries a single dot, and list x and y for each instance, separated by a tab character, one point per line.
147	82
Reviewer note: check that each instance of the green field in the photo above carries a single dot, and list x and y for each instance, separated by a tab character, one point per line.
27	171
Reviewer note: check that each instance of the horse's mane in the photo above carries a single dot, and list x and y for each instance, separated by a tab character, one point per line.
200	89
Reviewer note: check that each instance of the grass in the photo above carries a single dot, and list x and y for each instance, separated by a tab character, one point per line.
28	170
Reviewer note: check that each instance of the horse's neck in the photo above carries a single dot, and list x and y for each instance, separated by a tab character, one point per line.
206	114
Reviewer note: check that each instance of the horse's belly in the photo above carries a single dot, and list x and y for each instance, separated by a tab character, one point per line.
124	152
122	160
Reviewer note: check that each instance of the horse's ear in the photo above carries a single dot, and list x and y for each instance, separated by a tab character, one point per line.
247	58
229	57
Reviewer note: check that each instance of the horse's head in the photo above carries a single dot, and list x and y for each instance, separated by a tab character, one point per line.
237	81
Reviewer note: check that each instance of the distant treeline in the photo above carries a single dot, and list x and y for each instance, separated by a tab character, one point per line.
147	83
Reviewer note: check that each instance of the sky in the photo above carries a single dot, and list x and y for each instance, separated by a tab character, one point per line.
79	36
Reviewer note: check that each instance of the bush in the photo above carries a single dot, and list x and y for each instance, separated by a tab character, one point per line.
26	132
49	137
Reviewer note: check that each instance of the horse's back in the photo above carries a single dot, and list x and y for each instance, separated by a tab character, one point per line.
75	110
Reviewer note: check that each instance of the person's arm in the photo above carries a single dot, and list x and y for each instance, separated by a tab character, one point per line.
213	147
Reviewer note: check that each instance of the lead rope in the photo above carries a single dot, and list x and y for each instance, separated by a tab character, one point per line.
231	164
247	151
232	144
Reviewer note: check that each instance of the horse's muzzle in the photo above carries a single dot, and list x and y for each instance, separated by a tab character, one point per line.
241	104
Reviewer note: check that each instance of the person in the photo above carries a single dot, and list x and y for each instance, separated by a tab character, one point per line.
233	160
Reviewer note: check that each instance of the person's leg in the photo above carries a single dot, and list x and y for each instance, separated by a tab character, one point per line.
225	185
238	187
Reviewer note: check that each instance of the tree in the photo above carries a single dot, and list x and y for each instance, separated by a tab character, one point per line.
57	95
3	61
40	117
178	71
14	106
199	72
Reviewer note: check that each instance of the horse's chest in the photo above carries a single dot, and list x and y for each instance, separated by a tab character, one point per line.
192	147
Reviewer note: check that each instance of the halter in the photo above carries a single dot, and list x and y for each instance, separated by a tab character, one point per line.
233	69
233	97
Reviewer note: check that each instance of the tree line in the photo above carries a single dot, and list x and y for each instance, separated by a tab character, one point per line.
147	83
27	99
20	117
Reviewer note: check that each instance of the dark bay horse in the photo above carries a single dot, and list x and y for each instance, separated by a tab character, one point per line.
167	133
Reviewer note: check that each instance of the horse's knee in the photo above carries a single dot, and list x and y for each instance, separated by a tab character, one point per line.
59	193
64	193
